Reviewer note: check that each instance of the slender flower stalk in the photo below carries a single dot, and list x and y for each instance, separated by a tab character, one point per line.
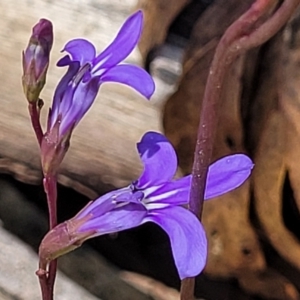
245	33
153	197
35	66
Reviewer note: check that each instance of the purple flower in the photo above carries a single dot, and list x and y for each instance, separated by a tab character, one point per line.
36	59
154	197
78	88
87	71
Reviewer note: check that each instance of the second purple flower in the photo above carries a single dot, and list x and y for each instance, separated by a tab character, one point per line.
154	197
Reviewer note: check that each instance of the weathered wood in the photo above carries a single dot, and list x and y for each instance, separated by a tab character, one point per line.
102	148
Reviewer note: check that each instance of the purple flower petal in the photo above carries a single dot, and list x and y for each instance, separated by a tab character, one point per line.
103	204
82	100
65	61
176	192
80	50
227	174
128	215
159	159
60	90
123	44
130	197
67	101
133	76
187	237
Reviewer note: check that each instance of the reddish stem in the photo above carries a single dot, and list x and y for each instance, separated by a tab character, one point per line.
35	121
187	289
44	286
239	37
47	279
52	276
50	186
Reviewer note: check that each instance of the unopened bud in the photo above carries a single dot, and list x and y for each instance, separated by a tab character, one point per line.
36	59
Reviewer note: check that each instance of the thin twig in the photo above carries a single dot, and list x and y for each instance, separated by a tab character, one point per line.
239	37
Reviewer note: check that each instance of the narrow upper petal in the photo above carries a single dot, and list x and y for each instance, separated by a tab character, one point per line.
80	50
159	159
227	174
128	215
123	44
133	76
187	237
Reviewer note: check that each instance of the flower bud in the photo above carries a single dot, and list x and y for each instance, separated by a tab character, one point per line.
36	59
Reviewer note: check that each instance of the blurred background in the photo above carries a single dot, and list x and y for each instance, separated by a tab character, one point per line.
253	232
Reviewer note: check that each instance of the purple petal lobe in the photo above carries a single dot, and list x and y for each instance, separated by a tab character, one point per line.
61	89
159	159
130	197
123	44
227	174
67	101
133	76
175	192
187	237
80	50
82	100
64	61
125	217
103	204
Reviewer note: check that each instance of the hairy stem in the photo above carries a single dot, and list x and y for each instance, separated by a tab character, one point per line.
238	38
